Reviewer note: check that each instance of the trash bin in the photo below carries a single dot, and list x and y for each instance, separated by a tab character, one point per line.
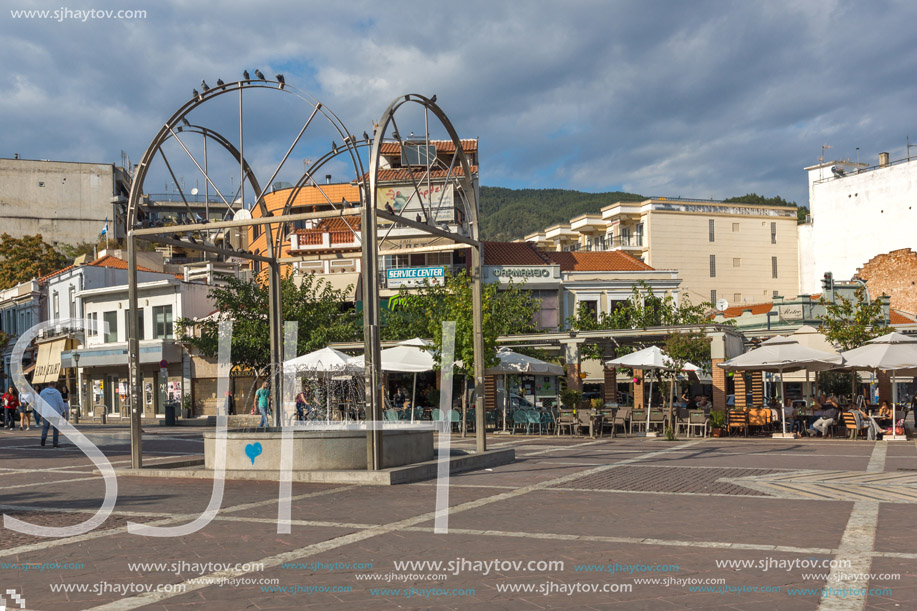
170	413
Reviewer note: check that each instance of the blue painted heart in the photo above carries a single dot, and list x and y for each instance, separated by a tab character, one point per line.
253	450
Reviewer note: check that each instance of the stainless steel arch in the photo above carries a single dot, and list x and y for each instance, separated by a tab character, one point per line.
169	130
370	273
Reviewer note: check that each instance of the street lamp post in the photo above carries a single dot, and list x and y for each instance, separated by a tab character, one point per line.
79	389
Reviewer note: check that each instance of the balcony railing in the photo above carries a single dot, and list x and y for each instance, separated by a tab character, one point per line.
626	241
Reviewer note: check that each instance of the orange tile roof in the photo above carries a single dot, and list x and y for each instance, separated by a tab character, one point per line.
442	146
513	253
404	174
897	317
106	261
603	261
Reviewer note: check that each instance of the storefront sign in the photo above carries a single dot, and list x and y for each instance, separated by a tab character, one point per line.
520	273
790	312
47	368
414	276
437	199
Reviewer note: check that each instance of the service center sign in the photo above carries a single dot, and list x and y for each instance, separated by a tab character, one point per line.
414	276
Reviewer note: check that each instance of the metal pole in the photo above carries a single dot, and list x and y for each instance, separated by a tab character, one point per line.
276	331
241	153
207	193
133	348
371	347
478	322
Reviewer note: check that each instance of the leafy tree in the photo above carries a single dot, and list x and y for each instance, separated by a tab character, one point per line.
851	323
688	347
26	258
317	306
421	313
754	198
801	213
644	309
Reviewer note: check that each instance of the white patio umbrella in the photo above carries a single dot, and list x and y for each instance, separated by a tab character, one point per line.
780	354
408	356
513	363
652	358
326	360
892	353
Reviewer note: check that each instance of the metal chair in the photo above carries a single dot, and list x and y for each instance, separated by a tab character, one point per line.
697	419
566	419
638	419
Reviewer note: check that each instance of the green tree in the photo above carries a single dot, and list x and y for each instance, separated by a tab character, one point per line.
687	347
644	309
421	313
318	307
849	323
22	259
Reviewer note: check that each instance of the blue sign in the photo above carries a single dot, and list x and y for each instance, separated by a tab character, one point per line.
414	276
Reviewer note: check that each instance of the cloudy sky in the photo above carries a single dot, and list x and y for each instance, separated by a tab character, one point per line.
693	99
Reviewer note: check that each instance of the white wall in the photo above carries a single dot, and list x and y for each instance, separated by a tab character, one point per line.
858	217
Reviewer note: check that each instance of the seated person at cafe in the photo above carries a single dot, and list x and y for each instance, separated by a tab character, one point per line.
828	418
702	403
788	412
884	416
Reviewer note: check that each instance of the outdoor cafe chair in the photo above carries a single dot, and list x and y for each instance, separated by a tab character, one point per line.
391	415
455	417
697	419
565	419
621	418
470	420
737	419
657	419
521	419
548	421
760	418
850	423
638	419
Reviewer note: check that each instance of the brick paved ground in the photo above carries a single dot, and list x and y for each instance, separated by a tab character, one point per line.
661	510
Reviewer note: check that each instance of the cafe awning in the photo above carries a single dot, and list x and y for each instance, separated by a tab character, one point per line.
47	366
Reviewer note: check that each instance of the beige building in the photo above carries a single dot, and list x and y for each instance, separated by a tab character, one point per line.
743	253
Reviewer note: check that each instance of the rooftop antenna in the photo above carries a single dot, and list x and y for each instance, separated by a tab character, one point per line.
824	147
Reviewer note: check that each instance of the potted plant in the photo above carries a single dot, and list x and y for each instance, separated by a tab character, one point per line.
717	422
571	398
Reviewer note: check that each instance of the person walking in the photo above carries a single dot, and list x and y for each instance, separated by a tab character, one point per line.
10	406
230	404
53	398
263	404
24	411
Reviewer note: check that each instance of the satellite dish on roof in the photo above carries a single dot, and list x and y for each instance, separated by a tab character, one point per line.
721	304
194	191
242	215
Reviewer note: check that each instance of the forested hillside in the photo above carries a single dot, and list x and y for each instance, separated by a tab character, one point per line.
509	214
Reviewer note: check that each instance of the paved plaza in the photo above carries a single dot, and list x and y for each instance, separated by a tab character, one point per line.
734	524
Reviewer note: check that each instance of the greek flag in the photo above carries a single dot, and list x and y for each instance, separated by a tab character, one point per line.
105	229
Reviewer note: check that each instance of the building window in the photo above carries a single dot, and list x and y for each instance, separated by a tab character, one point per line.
71	296
712	232
713	266
774	235
127	322
736	262
162	321
773	267
93	324
735	228
56	299
737	297
713	296
396	261
439	258
110	326
776	294
592	308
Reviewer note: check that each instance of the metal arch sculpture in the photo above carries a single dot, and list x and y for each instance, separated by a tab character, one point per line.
369	211
371	319
170	129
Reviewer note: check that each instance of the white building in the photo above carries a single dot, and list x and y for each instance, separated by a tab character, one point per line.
103	370
20	309
857	213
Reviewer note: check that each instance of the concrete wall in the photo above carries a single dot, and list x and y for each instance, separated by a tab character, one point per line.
64	202
859	216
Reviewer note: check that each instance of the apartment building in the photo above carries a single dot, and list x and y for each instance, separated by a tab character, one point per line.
740	253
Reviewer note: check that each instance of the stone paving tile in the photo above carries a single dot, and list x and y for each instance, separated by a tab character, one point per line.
108	558
904	590
897	531
750	520
680	480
